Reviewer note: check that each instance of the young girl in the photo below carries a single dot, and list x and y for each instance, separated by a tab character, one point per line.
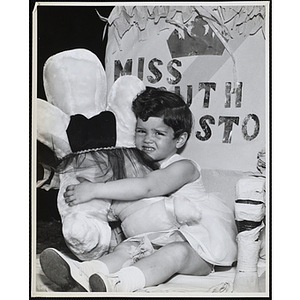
148	258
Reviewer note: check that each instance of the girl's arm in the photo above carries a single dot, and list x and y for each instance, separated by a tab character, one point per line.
157	183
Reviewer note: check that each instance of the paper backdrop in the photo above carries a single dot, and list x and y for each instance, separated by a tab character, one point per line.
216	57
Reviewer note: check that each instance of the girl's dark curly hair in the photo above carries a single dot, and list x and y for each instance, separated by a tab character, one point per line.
155	102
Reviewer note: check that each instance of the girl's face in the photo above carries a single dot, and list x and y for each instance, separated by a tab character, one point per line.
155	138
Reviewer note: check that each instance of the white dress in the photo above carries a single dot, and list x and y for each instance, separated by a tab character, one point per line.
150	221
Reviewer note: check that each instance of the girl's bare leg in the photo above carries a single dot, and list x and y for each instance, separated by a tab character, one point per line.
69	273
174	258
178	257
115	260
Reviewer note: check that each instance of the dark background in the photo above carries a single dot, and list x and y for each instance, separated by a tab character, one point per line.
61	28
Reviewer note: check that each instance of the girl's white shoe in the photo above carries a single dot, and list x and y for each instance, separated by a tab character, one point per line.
66	272
102	283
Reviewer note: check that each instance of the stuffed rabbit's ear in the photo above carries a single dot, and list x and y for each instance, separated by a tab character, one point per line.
75	82
119	101
51	128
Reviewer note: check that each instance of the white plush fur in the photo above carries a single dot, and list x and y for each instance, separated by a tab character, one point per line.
123	91
51	128
75	82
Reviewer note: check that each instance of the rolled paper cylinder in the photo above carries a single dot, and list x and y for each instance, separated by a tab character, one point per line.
249	215
246	277
249	246
251	188
250	204
250	212
246	225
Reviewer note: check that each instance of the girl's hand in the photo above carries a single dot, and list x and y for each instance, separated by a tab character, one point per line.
79	193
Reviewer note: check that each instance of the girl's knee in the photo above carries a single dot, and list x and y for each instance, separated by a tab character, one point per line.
188	260
179	250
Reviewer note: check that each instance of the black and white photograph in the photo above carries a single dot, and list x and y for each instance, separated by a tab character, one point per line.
150	138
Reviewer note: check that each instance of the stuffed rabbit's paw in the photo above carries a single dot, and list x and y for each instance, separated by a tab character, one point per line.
86	234
186	211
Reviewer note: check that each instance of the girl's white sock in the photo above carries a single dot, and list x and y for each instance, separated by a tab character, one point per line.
130	279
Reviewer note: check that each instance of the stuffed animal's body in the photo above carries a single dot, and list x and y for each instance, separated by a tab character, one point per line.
92	134
74	122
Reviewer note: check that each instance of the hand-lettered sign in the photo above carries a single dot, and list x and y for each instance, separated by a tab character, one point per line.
215	57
